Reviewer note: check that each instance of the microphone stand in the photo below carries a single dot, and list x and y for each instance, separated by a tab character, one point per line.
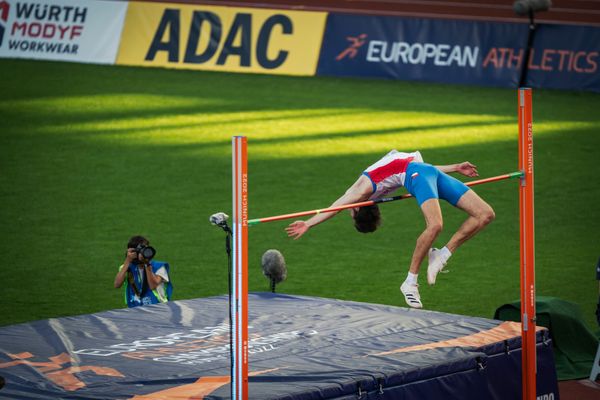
530	38
223	225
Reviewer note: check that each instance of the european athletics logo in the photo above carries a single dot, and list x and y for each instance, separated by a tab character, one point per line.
4	7
352	50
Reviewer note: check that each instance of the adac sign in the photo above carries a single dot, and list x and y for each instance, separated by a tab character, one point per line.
222	38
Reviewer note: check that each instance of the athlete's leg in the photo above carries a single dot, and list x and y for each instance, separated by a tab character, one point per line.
421	183
480	215
433	220
434	224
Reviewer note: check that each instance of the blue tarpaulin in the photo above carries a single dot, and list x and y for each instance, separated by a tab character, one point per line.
300	348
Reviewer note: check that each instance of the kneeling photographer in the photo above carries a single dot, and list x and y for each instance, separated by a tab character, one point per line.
146	280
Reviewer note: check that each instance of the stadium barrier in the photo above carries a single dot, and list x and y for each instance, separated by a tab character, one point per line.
61	30
307	43
222	38
462	52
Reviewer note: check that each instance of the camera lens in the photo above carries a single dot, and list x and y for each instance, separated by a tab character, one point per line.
148	252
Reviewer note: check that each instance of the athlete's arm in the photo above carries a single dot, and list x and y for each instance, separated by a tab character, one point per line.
464	168
359	191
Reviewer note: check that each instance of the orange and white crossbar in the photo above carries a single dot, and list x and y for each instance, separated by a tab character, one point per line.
239	270
527	247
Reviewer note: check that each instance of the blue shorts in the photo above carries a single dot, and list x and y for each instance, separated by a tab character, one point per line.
424	181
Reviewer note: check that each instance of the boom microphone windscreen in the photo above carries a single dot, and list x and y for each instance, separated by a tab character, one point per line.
219	218
523	7
273	265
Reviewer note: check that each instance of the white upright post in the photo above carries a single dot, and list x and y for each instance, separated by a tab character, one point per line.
239	275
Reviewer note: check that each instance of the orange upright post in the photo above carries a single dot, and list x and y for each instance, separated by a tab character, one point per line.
526	216
239	271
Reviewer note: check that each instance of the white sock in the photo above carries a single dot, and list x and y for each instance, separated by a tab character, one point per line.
411	279
445	253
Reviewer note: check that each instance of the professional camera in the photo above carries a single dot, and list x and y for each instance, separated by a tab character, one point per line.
146	252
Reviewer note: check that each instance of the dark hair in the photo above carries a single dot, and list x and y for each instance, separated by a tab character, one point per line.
367	219
136	240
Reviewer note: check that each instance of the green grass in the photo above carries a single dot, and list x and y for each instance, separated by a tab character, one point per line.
90	155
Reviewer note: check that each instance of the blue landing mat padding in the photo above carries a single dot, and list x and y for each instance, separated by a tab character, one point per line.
301	348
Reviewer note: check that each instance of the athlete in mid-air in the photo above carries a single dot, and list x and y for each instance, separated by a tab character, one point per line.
428	184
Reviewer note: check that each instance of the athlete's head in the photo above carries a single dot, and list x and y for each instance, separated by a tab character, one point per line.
367	219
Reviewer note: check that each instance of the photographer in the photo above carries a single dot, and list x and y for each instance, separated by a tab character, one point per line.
146	281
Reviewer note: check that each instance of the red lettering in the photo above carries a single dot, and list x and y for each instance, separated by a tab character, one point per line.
571	60
17	26
492	57
561	63
35	29
76	31
577	57
531	64
590	59
547	58
63	30
49	31
518	58
503	52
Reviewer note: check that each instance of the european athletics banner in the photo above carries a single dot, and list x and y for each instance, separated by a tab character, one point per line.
565	57
462	52
217	38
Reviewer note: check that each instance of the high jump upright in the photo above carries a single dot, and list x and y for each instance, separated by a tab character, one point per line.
527	246
239	307
239	271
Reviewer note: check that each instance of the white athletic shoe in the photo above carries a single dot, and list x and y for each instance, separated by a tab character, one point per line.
411	295
436	264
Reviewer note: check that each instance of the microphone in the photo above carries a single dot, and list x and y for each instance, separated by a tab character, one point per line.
219	219
523	7
273	266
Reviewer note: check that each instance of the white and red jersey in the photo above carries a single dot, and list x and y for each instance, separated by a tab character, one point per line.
388	174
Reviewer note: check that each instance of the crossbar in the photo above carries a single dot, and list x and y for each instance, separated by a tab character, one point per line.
256	221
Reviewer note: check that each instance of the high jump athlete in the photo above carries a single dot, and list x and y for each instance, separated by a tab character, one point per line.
428	184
